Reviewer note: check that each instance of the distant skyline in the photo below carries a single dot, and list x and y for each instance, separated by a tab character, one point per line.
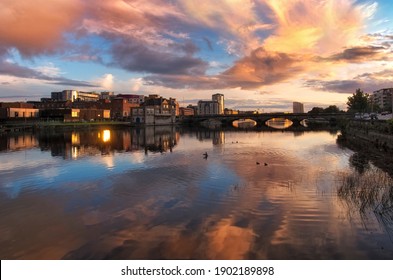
261	54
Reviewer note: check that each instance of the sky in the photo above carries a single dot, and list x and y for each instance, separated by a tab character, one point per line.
261	54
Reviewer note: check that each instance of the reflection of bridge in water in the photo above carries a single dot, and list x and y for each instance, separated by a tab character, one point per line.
261	119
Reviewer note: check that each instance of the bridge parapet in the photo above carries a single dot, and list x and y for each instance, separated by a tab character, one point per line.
261	119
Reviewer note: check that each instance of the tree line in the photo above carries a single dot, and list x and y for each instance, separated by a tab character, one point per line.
359	102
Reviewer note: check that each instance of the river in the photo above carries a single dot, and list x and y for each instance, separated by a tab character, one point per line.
153	194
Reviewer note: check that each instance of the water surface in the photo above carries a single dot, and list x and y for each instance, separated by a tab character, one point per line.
151	194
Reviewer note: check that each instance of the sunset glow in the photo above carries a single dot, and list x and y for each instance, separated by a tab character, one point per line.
261	54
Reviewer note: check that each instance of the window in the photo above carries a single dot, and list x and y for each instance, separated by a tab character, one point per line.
74	114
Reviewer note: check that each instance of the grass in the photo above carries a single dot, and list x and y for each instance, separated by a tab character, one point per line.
373	189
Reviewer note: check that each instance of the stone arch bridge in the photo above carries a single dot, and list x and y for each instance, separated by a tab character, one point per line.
261	119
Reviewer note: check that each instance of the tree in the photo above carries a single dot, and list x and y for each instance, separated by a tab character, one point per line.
332	109
359	102
316	110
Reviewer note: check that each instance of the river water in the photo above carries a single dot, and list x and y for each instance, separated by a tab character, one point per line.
152	194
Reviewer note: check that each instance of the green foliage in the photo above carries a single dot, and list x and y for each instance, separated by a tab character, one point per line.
359	102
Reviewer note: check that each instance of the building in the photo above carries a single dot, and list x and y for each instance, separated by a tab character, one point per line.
87	96
230	111
213	107
208	108
65	95
132	98
121	108
75	114
18	110
74	95
220	99
107	95
186	111
155	110
383	99
298	108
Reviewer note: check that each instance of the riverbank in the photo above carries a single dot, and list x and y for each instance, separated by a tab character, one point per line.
375	135
371	141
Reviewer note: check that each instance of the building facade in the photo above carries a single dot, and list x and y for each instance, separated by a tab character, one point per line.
298	108
219	98
74	95
18	110
383	99
65	95
88	96
186	111
211	107
206	108
155	111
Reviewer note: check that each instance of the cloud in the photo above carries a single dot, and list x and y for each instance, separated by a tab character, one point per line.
368	82
136	84
258	69
320	27
36	27
234	20
360	54
134	56
49	70
262	68
107	81
16	70
208	43
272	40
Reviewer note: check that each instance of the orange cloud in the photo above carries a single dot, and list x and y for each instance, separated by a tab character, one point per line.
320	27
35	27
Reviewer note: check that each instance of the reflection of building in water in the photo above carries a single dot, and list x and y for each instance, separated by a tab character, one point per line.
156	138
217	136
298	133
78	144
18	142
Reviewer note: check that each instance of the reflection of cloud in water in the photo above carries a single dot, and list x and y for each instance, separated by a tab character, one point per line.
108	161
50	173
181	206
23	160
226	241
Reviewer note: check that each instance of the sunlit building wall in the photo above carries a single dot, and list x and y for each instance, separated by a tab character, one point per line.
208	108
65	95
88	96
383	98
186	111
298	108
218	97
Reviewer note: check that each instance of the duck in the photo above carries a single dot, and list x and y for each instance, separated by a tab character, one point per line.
205	155
258	163
266	164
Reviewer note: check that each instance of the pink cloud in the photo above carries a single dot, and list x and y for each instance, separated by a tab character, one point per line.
35	27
